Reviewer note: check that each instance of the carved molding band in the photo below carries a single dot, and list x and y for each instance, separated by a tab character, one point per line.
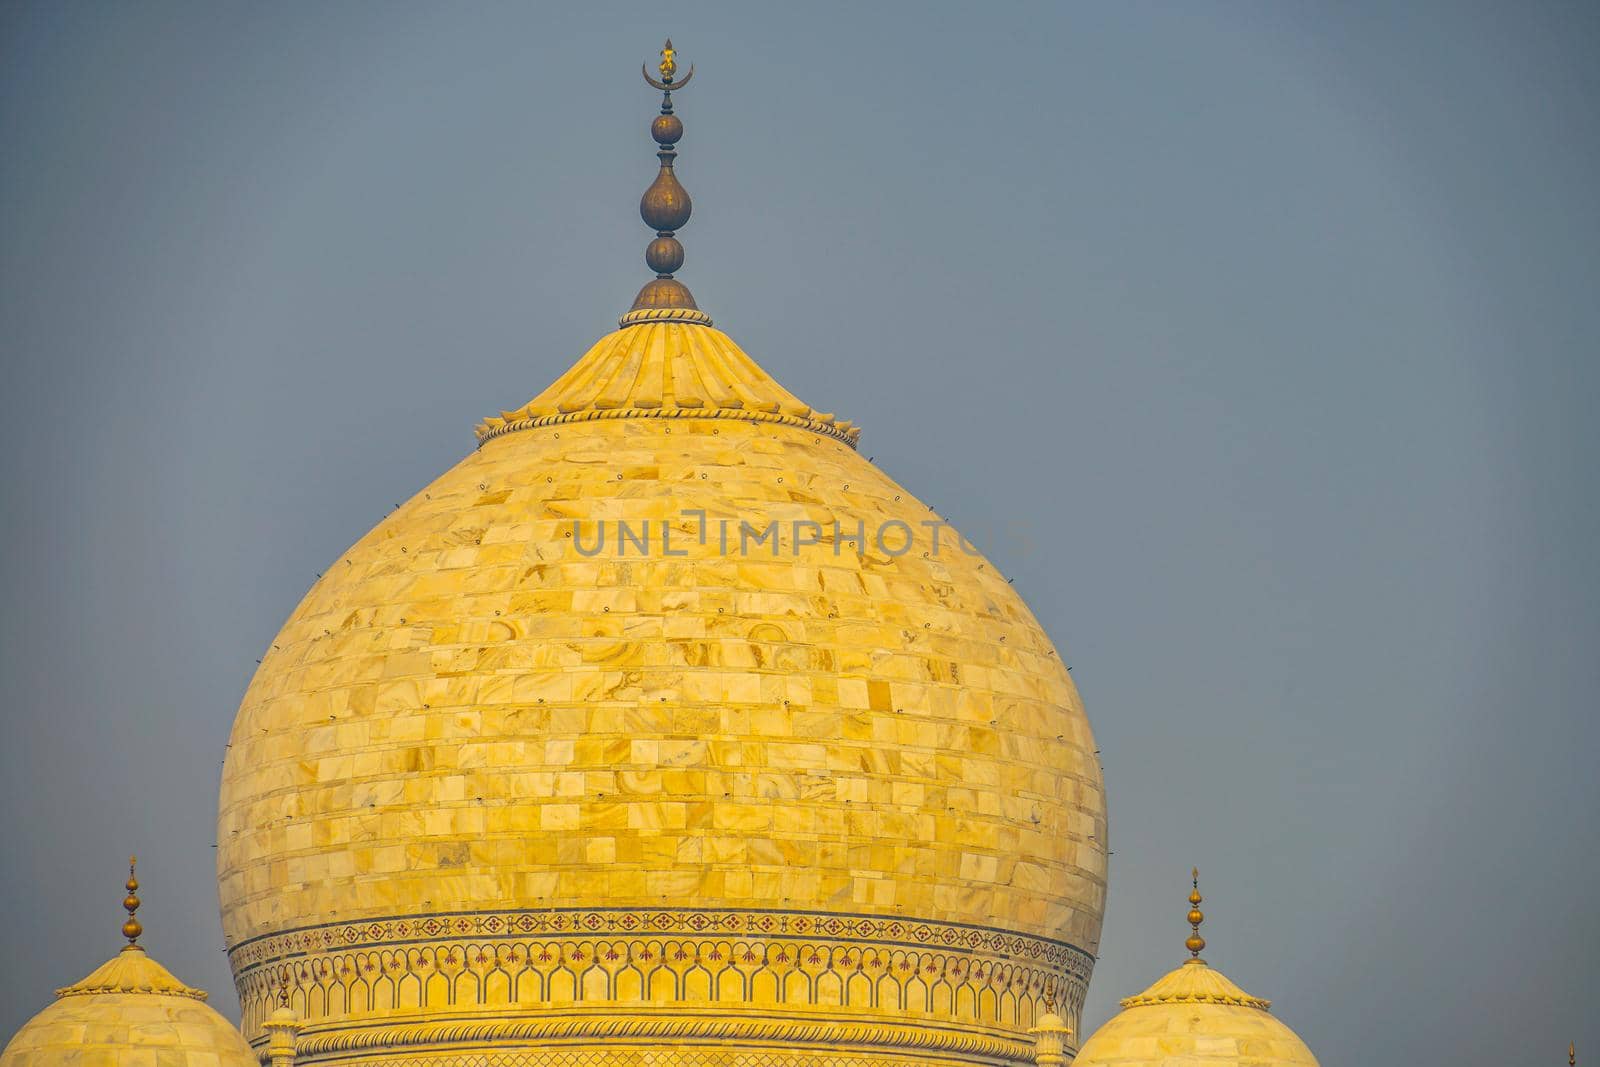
829	1034
642	315
634	1056
849	435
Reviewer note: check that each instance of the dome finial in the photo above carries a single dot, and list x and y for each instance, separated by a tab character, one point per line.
1572	1054
1195	943
1050	1039
131	929
665	207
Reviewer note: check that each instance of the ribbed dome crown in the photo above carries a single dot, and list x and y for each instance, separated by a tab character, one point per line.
666	370
130	971
1195	983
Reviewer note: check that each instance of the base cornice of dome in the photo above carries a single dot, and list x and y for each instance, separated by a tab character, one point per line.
840	432
639	316
577	1025
620	962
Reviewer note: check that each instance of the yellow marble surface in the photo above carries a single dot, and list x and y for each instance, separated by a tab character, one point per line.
467	717
1192	1017
131	1012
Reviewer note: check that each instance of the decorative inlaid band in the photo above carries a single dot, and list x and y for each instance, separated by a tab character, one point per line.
848	436
875	930
634	318
835	1034
957	978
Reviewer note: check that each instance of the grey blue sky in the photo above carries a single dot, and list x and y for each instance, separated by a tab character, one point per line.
1258	341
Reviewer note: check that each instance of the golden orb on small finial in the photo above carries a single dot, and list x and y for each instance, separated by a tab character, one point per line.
131	929
1195	943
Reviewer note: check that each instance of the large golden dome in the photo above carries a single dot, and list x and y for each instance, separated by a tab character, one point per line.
695	795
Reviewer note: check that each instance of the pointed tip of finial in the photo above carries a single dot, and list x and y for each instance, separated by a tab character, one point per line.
667	70
1572	1054
131	929
1195	942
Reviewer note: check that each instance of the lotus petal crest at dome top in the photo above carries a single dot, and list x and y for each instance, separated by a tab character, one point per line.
130	971
667	370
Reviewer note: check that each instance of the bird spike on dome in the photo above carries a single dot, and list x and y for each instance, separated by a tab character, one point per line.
1195	944
665	207
131	929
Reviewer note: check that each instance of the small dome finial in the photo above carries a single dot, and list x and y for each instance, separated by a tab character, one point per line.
1572	1054
131	929
1195	943
665	208
1050	1034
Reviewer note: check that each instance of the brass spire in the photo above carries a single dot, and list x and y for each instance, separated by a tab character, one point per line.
1195	942
131	929
1572	1054
665	207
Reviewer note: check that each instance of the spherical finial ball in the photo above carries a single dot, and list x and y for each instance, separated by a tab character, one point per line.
664	255
1196	917
1195	943
666	129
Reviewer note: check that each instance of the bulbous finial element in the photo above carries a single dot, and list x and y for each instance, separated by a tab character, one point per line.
1195	942
131	929
1572	1054
665	208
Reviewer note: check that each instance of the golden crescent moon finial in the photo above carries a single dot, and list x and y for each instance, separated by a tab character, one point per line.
668	69
665	87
